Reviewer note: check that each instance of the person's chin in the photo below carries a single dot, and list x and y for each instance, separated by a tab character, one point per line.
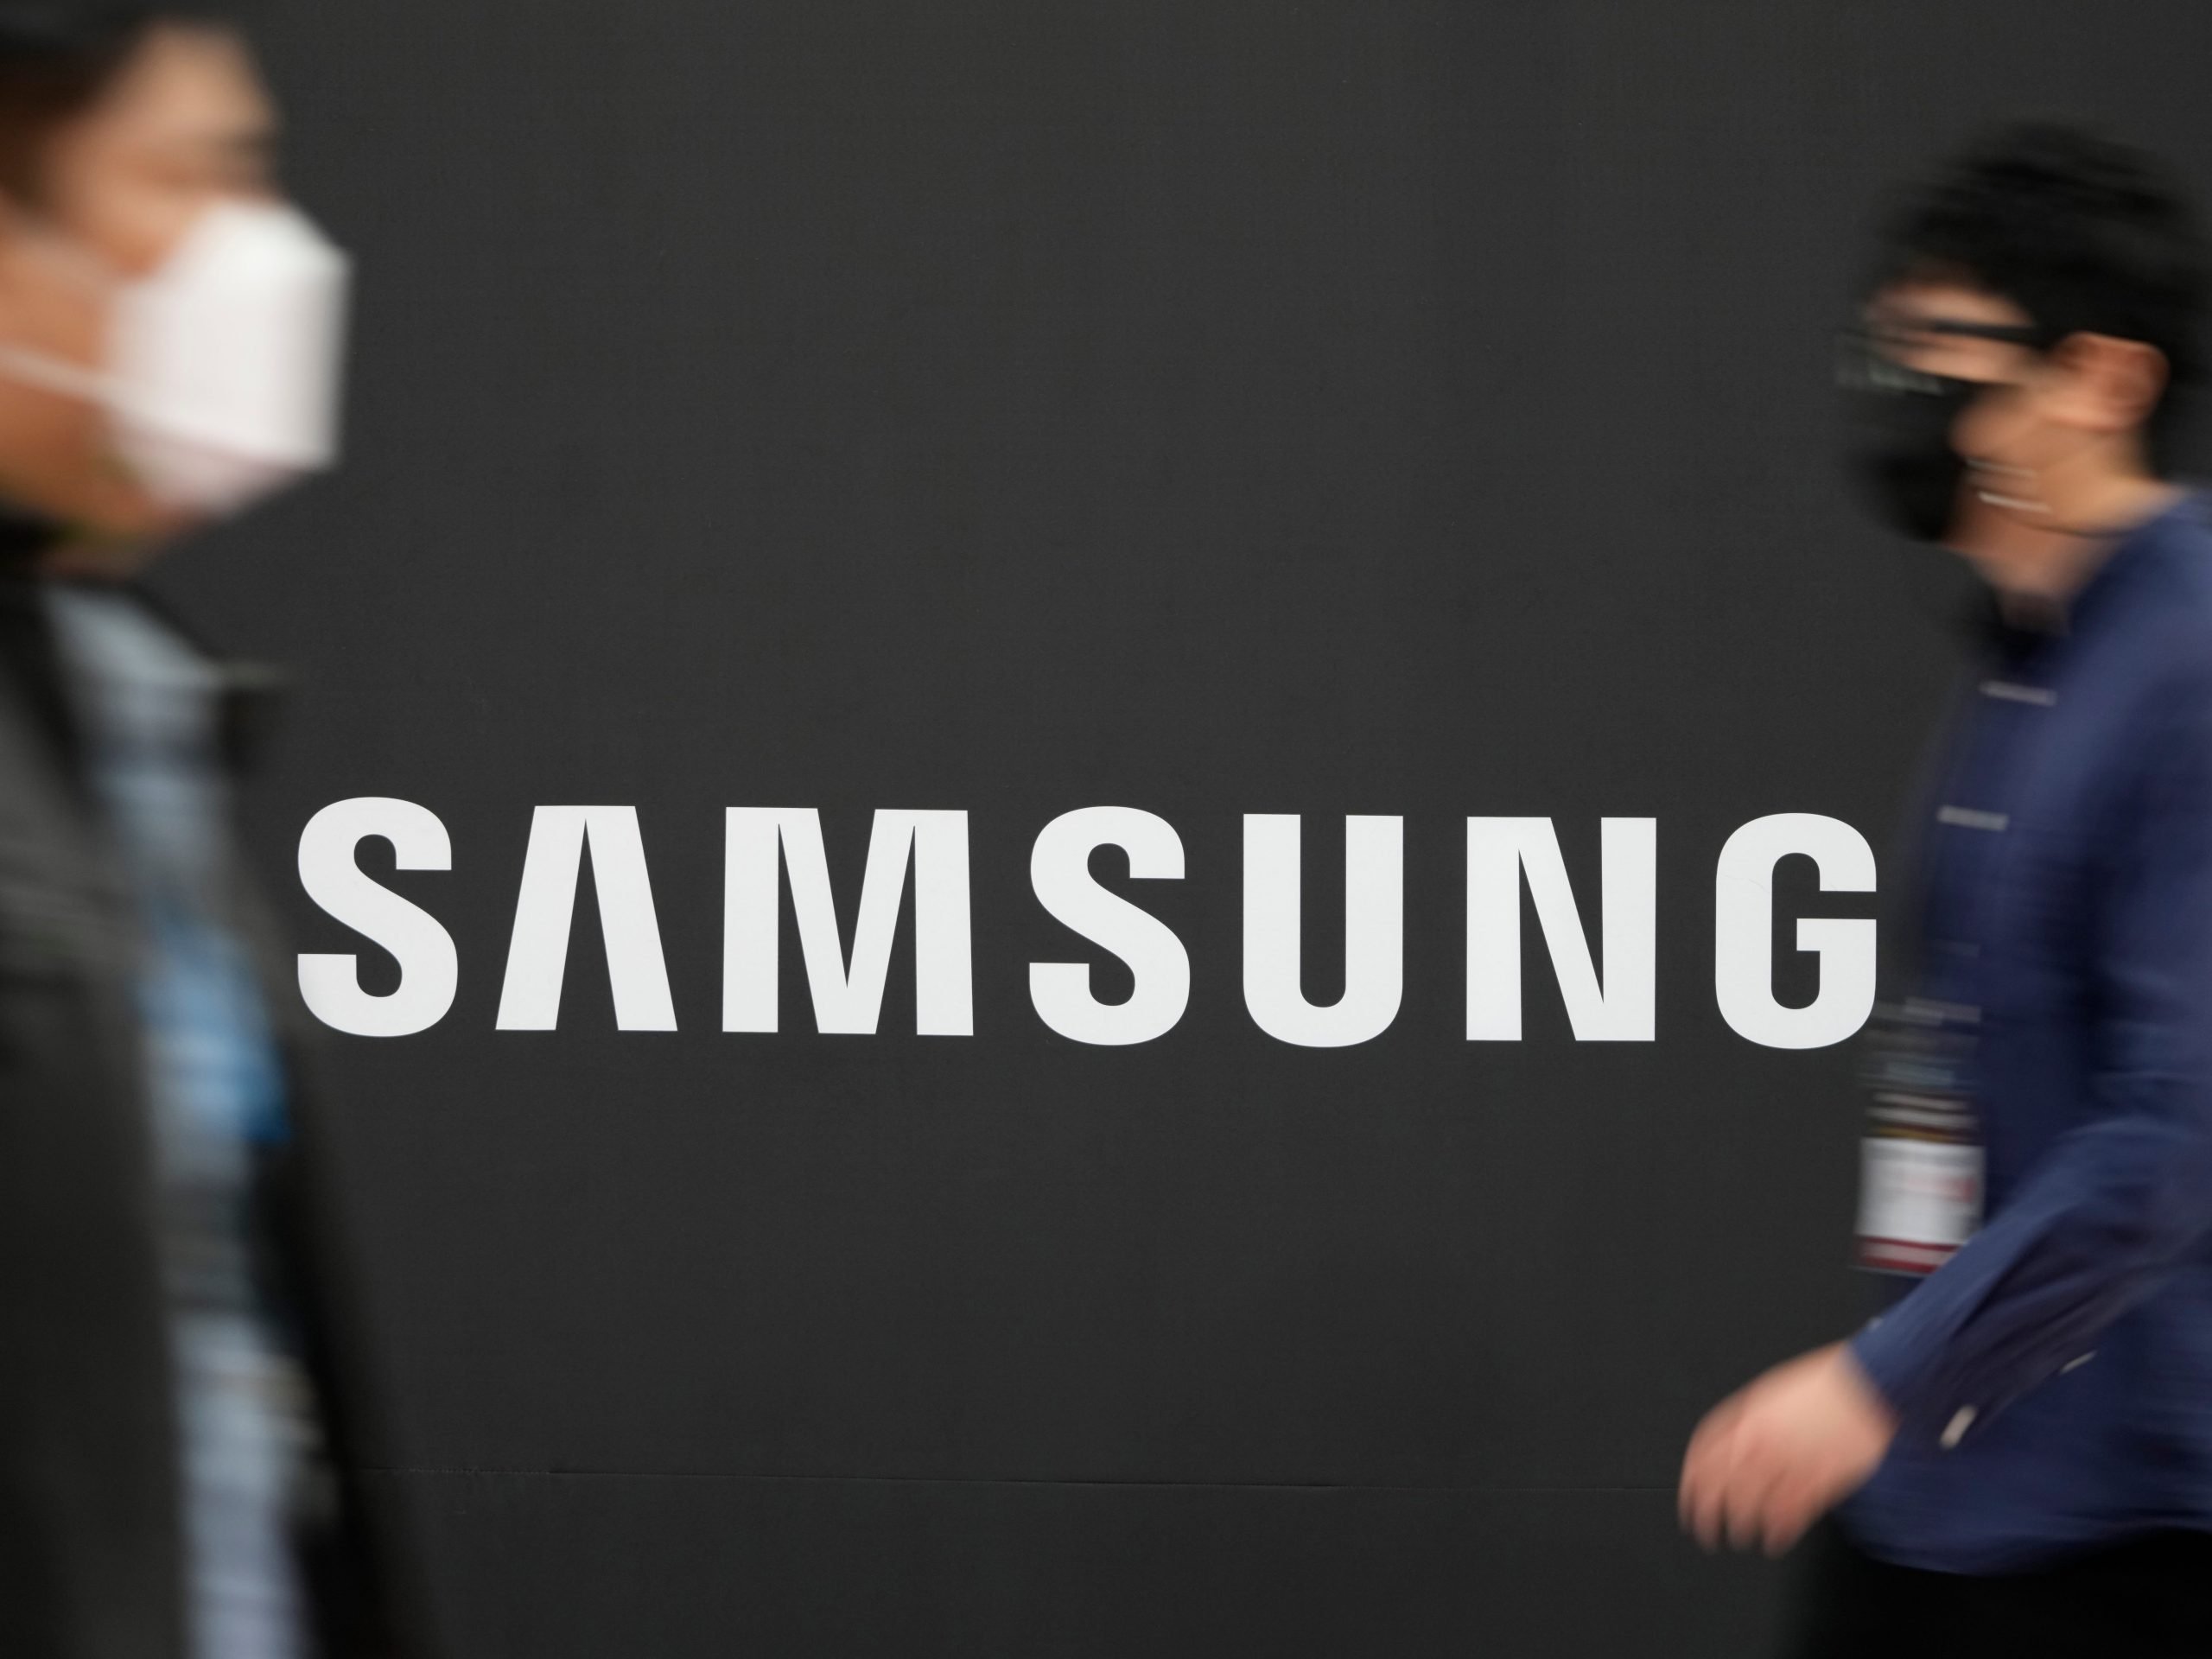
131	515
114	540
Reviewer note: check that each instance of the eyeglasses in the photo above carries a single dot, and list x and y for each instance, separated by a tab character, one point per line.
1868	355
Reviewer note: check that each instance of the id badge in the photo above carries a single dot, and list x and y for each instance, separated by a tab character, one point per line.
1919	1199
1920	1193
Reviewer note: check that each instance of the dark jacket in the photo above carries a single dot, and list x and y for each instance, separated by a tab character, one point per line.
2054	1378
91	1551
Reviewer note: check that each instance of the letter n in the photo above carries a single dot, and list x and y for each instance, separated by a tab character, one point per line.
1618	1010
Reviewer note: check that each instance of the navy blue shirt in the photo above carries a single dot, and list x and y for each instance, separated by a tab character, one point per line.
2054	1379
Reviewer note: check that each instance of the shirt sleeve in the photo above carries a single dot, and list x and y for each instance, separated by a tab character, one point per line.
2118	1202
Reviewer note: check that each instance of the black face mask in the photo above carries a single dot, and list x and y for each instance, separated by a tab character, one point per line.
1901	420
1900	452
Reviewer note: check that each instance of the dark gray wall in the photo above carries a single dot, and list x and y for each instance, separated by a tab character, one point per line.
1207	407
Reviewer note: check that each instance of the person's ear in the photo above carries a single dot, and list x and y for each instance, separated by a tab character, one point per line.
2104	384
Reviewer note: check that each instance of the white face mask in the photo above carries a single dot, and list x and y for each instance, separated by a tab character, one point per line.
223	364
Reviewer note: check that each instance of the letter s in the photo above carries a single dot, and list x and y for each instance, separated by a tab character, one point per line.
428	969
1059	871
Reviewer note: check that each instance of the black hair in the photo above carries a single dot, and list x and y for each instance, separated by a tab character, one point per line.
57	58
2086	234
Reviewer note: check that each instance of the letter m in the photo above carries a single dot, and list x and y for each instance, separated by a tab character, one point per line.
846	998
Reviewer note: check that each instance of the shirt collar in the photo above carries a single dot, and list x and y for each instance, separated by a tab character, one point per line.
2016	631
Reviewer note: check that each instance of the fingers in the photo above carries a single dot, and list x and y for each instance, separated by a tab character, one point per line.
1709	1470
1795	1503
1790	1509
1768	1461
1760	1478
1694	1489
1740	1484
1712	1430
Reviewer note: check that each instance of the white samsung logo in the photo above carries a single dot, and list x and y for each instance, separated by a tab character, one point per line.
1609	993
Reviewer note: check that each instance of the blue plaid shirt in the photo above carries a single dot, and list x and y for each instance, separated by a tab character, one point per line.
2054	1379
148	704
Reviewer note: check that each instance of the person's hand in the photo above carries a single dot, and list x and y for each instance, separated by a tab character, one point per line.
1777	1455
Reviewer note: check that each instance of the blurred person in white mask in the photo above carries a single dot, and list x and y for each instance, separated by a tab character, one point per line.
176	1422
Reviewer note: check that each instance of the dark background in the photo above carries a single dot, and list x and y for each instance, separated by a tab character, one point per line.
1207	407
